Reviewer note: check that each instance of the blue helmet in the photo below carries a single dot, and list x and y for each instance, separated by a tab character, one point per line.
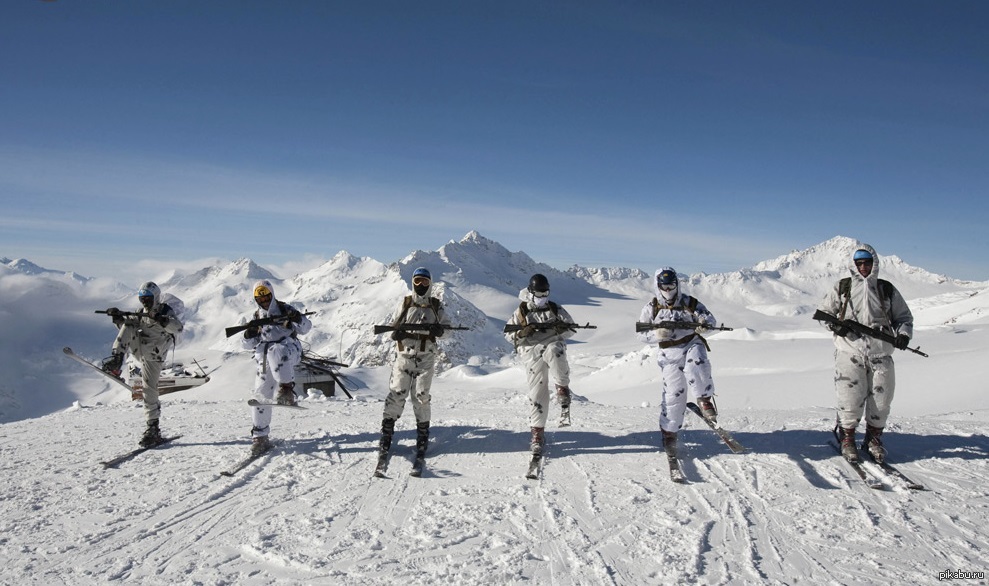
862	254
422	272
149	289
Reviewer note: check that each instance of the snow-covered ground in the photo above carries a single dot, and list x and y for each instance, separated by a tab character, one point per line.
788	511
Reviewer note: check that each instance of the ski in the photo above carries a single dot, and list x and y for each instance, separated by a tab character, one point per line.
245	462
534	466
114	462
256	403
725	436
895	472
68	352
868	479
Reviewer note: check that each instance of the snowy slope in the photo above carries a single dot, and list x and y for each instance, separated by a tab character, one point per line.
605	512
787	512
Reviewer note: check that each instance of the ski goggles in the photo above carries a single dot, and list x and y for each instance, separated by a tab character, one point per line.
420	281
540	294
667	287
864	262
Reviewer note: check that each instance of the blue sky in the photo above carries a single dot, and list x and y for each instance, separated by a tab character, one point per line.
704	135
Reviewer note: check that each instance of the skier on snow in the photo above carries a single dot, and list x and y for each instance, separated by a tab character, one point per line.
864	374
415	360
277	352
682	355
543	352
147	337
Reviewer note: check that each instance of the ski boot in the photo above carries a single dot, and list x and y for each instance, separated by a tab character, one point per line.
538	441
670	444
384	446
564	395
873	443
846	439
152	435
113	365
422	441
286	394
708	408
259	445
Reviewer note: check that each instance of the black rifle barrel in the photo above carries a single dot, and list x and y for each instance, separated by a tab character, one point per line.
862	329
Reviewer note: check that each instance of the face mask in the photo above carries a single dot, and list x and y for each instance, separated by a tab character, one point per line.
669	295
420	289
540	301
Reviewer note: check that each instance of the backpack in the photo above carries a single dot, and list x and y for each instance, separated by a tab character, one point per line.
845	293
169	301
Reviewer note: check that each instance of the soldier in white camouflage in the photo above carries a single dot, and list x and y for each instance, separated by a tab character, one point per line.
147	335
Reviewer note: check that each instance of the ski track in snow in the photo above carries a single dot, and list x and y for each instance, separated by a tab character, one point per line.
789	511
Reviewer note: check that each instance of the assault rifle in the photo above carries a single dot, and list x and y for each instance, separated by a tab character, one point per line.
677	325
261	321
861	329
414	328
115	313
549	325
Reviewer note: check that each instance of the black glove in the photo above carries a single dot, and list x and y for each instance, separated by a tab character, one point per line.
161	319
252	332
113	312
399	335
435	330
901	342
839	330
295	317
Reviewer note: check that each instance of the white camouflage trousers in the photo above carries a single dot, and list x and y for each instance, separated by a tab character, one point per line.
276	362
151	358
686	373
863	385
412	374
542	361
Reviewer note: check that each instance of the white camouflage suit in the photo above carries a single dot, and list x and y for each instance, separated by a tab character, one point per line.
277	352
415	358
864	376
148	341
543	353
683	361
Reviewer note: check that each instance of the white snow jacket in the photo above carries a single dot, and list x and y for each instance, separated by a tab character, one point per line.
870	306
278	332
418	309
683	308
152	337
538	312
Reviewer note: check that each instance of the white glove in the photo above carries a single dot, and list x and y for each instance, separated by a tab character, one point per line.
663	333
